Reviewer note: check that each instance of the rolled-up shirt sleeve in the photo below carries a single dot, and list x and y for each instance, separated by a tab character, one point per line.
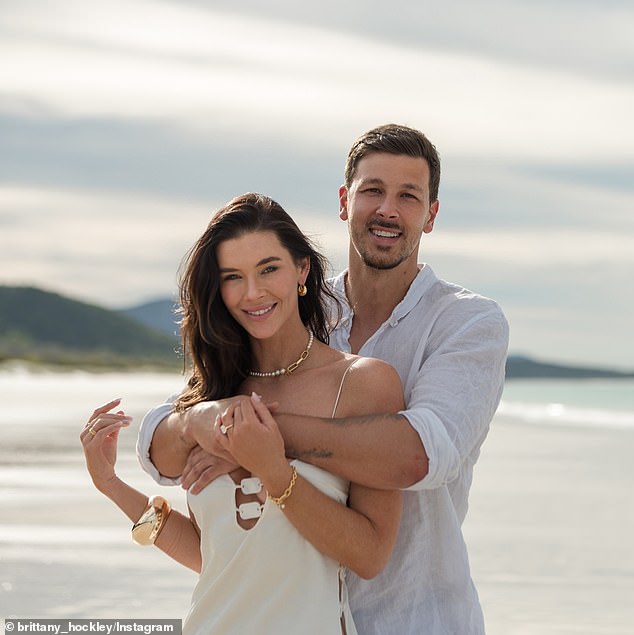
150	422
454	391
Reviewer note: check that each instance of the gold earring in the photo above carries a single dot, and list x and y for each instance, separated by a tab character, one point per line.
301	289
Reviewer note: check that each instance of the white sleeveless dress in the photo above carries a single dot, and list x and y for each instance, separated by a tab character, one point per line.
267	580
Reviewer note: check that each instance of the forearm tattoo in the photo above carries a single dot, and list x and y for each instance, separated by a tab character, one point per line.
326	453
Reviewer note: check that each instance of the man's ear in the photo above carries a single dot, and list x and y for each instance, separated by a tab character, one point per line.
343	202
433	210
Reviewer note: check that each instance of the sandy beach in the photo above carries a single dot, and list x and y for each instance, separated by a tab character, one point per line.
549	529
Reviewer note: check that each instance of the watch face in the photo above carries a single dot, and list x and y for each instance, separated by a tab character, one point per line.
251	485
248	511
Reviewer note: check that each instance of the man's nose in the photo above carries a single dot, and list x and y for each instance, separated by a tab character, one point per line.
388	207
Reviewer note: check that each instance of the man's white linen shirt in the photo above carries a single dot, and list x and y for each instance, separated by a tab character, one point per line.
449	347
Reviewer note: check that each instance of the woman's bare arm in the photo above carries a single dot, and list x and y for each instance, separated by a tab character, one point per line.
179	538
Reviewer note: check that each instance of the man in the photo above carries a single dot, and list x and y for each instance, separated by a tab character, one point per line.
449	348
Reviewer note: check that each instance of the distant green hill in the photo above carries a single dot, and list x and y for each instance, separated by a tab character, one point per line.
158	314
44	327
519	367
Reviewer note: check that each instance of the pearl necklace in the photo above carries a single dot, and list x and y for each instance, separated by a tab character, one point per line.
289	369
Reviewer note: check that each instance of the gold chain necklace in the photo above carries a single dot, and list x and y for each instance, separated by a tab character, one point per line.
289	369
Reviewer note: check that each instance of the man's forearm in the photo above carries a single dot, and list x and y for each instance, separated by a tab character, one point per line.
380	451
171	445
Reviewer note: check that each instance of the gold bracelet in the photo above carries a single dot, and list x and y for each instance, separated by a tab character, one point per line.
146	530
279	500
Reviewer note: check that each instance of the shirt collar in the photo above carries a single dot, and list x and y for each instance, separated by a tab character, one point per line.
424	279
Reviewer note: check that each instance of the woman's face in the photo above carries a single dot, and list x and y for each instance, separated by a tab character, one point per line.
258	282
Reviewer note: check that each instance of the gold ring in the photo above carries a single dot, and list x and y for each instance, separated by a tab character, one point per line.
224	429
92	430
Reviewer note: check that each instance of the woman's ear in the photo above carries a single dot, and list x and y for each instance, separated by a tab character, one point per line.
304	269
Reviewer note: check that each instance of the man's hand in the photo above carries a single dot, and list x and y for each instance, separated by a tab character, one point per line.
202	468
180	432
202	421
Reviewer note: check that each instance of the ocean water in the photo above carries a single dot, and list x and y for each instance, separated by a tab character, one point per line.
583	402
64	400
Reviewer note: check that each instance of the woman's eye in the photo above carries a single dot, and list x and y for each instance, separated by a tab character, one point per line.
229	277
269	269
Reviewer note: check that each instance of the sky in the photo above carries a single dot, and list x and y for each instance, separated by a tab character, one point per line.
124	124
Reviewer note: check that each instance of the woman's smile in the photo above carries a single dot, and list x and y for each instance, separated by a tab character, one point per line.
258	313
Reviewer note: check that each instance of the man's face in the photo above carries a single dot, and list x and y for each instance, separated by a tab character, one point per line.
387	208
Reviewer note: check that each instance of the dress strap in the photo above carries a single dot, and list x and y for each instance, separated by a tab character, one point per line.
343	378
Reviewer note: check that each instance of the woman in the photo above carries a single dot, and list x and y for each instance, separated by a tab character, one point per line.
271	538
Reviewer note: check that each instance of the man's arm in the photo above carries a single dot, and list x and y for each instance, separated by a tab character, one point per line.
380	451
166	439
171	445
152	420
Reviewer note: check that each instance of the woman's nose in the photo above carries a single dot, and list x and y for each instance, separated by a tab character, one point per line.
253	288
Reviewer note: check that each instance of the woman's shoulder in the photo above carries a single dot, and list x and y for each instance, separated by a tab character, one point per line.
372	384
361	367
357	368
369	364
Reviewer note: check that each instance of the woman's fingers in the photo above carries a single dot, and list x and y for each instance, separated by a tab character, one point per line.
105	408
261	409
104	425
99	434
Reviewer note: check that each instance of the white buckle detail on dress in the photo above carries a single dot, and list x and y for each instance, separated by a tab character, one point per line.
251	485
248	511
253	509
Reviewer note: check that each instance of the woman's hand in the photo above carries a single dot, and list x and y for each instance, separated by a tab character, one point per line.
99	439
201	429
249	433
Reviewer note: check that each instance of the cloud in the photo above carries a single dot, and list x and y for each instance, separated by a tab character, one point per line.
207	71
584	37
526	248
478	192
107	248
125	124
110	248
